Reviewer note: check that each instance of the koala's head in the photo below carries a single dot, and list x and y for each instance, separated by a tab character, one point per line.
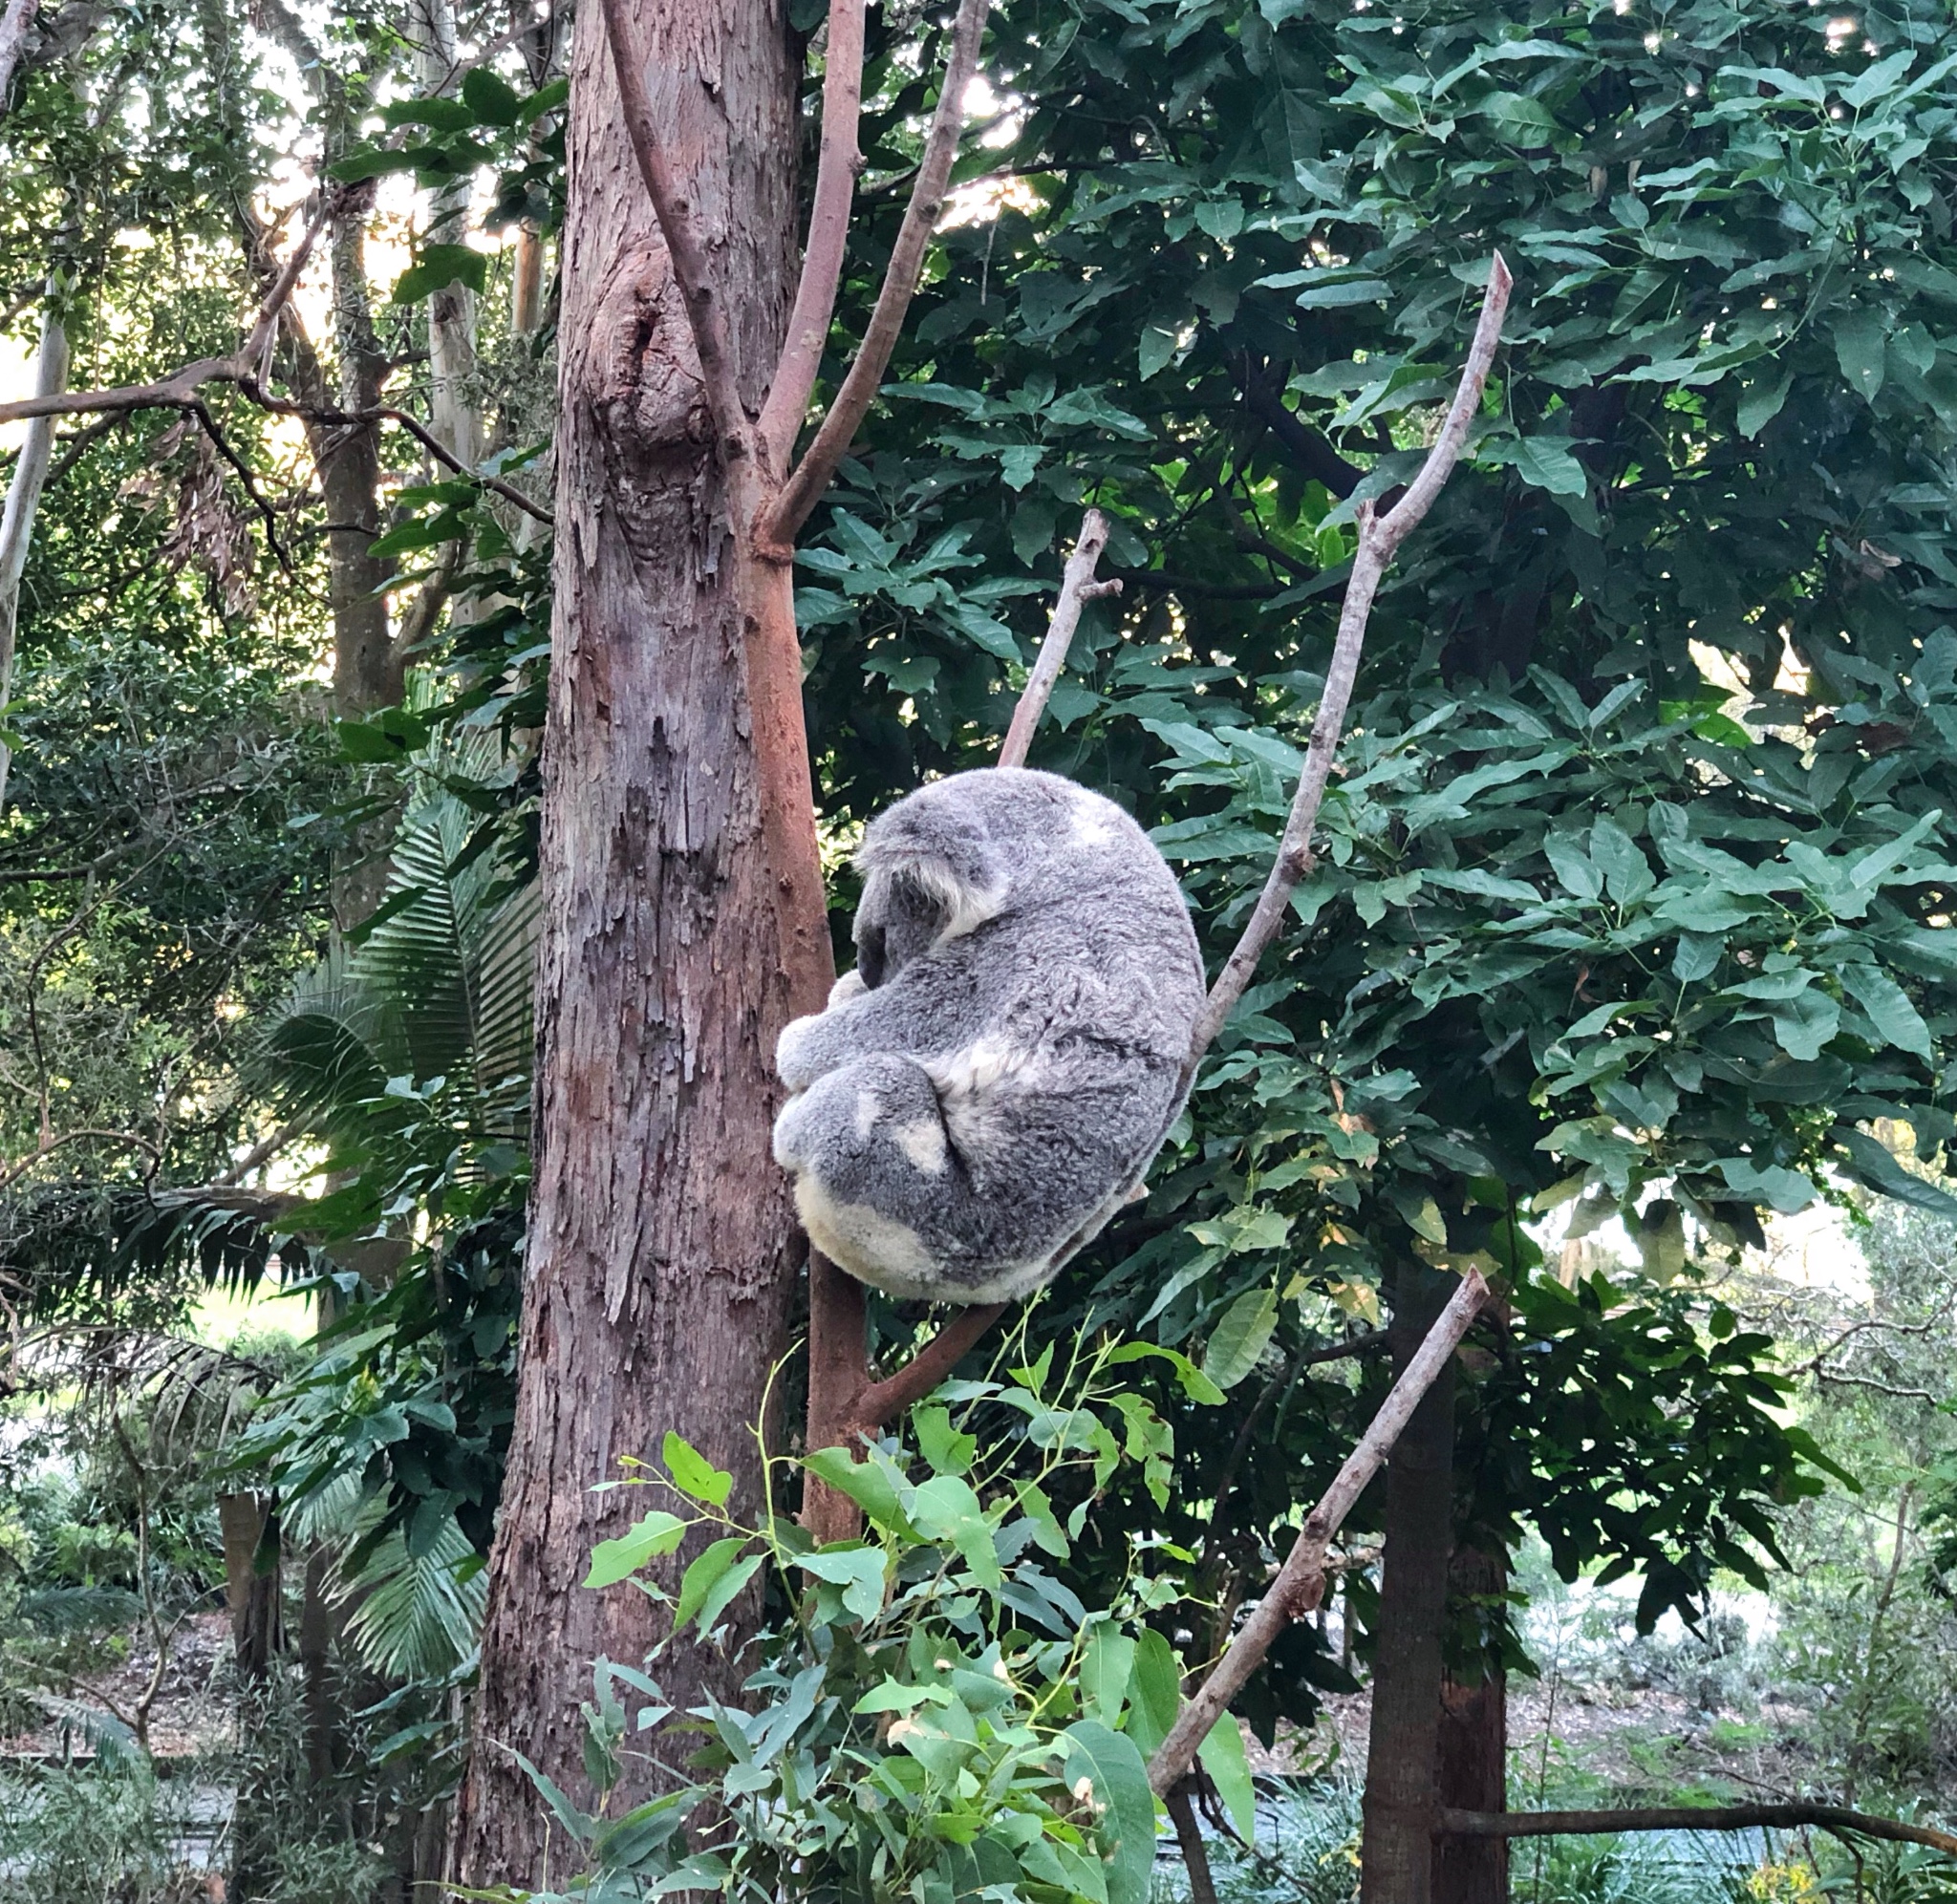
930	872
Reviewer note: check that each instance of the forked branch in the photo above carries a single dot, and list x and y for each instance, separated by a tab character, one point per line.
811	476
829	236
1077	587
1379	539
178	389
705	315
1300	1582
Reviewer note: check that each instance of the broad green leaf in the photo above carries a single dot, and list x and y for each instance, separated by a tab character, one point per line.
949	1450
1127	1828
859	1571
614	1560
1154	1691
1888	1007
874	1484
1241	1337
704	1574
1224	1758
945	1508
1106	1662
1861	335
1761	402
692	1473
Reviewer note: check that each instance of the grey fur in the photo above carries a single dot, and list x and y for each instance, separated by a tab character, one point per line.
992	1081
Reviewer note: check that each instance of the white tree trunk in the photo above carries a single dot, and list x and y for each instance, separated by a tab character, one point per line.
456	415
23	500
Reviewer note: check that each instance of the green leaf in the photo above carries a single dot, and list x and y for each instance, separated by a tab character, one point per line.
1877	1168
874	1484
1761	402
1158	345
1241	1337
438	265
1127	1828
1154	1691
1224	1758
491	97
694	1474
1861	333
1888	1007
1106	1663
859	1571
945	1508
947	1449
703	1573
614	1560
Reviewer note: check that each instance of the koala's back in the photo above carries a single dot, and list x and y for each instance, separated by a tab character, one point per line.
1086	935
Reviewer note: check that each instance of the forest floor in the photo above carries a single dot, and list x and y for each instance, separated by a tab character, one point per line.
191	1715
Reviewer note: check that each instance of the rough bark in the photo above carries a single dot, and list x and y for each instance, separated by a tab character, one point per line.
1472	1770
1403	1746
684	920
24	501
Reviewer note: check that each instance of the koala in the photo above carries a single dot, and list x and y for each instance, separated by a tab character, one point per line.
991	1083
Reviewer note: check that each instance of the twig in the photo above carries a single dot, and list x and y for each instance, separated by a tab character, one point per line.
705	315
929	1366
1300	1581
261	1152
1077	587
812	475
1379	539
209	425
1837	1818
829	236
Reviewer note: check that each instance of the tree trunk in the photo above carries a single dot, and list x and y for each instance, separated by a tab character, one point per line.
1473	1764
683	912
1401	1756
24	501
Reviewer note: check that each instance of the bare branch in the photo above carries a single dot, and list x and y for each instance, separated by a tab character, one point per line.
1837	1818
812	476
1189	1840
1379	538
704	313
243	470
1300	1581
829	236
1077	587
177	391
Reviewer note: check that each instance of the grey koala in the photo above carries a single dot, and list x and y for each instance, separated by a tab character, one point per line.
991	1083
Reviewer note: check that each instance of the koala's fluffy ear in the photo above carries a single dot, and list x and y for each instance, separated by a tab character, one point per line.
946	858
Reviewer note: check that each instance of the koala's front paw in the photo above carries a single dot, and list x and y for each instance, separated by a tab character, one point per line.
849	986
797	1060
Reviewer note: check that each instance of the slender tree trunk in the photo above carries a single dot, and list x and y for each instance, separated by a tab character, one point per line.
456	414
1473	1767
24	501
684	918
1403	1748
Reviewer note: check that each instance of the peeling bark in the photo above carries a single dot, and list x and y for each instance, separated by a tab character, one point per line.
685	916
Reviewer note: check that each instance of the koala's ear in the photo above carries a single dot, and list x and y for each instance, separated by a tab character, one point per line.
946	858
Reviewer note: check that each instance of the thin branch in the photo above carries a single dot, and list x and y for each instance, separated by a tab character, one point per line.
1077	587
928	1367
1312	454
209	425
829	236
1837	1818
262	1152
704	313
811	476
1300	1581
1379	539
74	448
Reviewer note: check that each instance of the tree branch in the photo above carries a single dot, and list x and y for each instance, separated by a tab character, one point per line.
178	389
1379	539
829	236
1077	585
705	315
1837	1818
1313	455
812	475
928	1367
1300	1581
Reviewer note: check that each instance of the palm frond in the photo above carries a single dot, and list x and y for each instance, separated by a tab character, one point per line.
418	1616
